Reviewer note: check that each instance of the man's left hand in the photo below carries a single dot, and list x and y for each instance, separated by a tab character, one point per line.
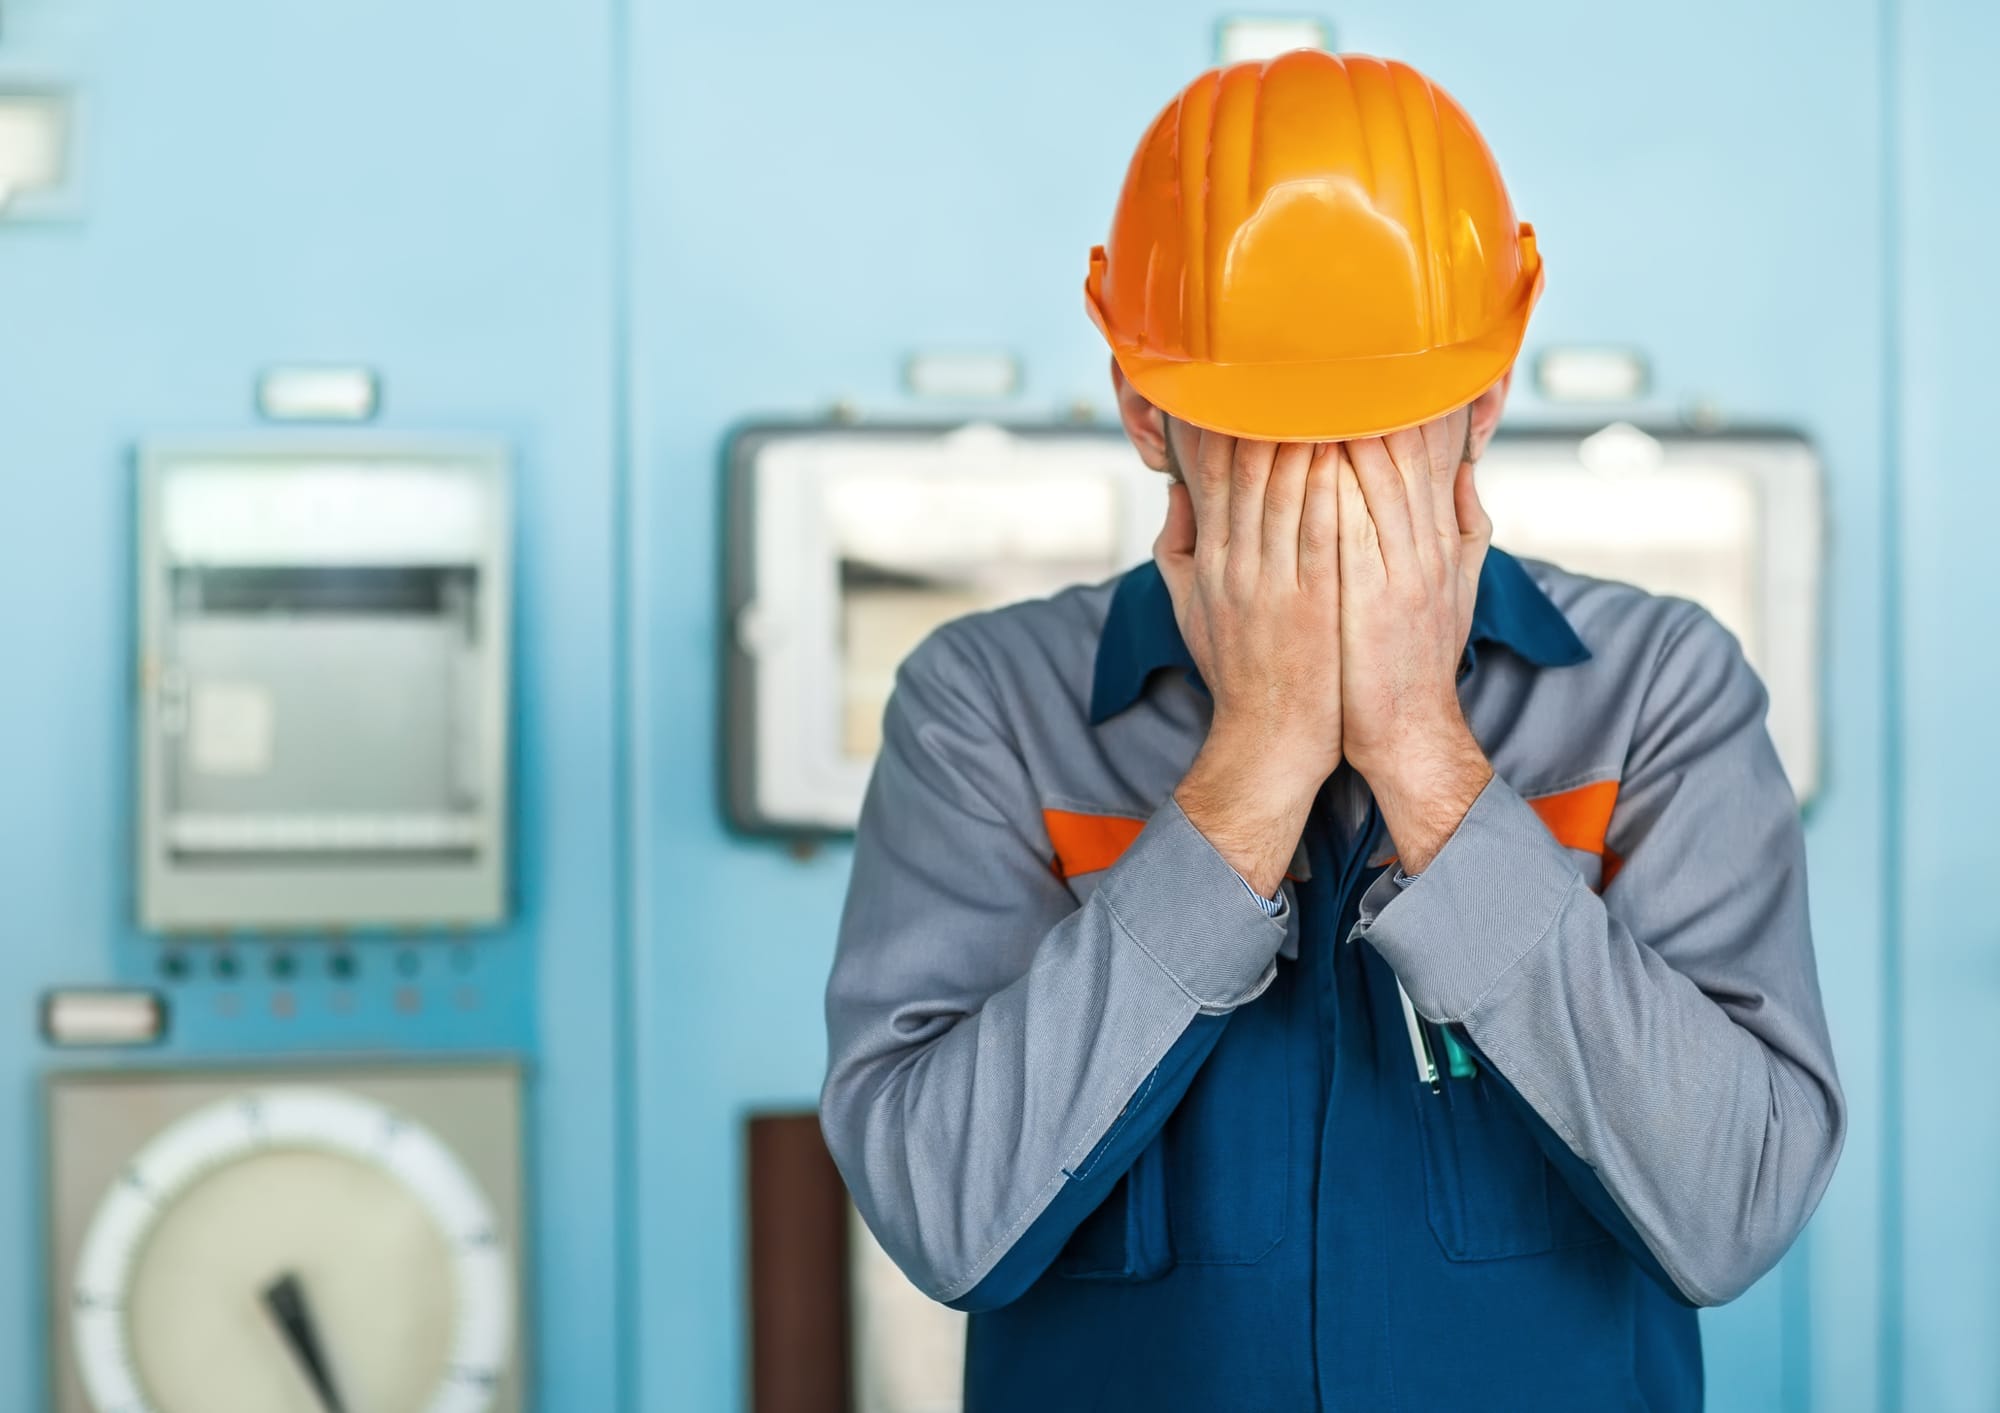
1412	539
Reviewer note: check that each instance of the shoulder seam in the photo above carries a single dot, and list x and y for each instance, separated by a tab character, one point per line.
945	642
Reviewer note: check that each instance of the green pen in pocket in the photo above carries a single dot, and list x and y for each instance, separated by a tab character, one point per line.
1462	1065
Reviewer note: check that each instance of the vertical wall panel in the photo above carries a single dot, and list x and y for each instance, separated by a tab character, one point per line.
426	189
1949	278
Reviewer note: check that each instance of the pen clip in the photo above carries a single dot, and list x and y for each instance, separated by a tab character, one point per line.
1420	1044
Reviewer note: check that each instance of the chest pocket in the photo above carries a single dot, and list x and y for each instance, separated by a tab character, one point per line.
1228	1144
1214	1188
1488	1191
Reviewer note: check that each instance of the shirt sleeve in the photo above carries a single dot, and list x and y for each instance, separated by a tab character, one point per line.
998	1054
1669	1031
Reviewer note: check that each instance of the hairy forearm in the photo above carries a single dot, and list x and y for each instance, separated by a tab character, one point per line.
1426	791
1249	797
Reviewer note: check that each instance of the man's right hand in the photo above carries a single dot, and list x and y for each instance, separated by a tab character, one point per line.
1250	556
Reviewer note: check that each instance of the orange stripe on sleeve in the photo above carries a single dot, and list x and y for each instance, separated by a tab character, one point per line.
1579	818
1085	843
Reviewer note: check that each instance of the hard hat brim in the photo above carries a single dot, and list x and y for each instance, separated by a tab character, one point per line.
1330	401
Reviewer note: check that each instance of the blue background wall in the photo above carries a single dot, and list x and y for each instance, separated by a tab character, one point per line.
1945	1150
608	230
428	188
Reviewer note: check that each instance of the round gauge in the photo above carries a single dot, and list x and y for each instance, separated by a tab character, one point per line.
293	1250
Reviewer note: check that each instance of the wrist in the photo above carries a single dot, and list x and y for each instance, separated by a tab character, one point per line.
1251	757
1250	803
1424	791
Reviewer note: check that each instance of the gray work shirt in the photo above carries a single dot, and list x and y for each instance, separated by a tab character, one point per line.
1618	925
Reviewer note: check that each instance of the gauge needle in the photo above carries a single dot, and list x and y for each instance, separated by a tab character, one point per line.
285	1299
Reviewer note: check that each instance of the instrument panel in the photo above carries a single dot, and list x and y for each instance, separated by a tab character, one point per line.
286	1240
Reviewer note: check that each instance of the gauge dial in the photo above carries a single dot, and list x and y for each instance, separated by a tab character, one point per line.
293	1249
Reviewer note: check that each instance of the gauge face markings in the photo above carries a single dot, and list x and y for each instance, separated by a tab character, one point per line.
180	1156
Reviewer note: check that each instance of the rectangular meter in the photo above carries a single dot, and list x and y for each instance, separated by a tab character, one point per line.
1732	520
323	652
850	544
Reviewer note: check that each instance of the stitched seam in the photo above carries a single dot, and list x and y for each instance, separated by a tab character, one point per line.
1071	804
1555	1120
1111	906
1575	881
951	1290
1262	985
1168	971
1103	1144
1670	641
948	645
1595	775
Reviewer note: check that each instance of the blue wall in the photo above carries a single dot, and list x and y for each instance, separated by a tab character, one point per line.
428	189
1946	1164
609	230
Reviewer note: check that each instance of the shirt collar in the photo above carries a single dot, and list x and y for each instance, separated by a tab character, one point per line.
1141	636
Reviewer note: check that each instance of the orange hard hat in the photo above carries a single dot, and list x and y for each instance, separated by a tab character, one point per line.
1312	248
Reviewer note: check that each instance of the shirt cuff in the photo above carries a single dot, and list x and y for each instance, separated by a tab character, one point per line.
1178	900
1271	907
1492	894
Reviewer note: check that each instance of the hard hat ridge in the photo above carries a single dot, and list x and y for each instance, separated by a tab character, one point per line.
1313	247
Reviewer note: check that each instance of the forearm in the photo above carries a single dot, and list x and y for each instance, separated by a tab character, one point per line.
1250	797
1426	788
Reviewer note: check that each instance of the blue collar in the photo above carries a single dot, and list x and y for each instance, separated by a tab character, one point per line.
1141	636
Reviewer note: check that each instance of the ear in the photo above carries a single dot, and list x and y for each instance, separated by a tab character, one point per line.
1486	410
1144	423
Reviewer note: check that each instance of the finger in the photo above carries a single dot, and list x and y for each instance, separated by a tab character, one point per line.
1319	518
1249	473
1444	446
1388	505
1475	532
1475	526
1176	538
1411	456
1437	437
1362	570
1284	505
1213	456
1173	550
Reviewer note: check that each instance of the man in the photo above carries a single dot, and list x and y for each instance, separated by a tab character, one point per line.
1337	965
